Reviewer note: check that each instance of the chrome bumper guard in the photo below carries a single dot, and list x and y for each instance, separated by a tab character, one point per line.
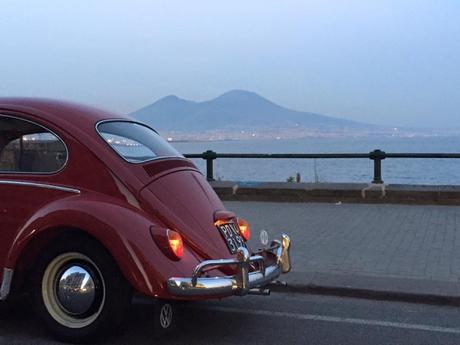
241	283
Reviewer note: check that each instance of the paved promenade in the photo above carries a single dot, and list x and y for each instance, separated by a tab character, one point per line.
403	248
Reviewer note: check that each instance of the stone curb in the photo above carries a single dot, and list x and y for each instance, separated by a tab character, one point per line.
373	287
337	192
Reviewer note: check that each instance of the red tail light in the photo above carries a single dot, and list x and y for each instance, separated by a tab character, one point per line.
245	230
175	243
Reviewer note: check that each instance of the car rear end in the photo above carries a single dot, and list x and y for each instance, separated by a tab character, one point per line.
194	223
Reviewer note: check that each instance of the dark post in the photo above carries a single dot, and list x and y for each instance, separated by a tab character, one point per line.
377	156
209	156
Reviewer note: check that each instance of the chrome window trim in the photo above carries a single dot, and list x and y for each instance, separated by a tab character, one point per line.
7	279
49	131
40	185
138	123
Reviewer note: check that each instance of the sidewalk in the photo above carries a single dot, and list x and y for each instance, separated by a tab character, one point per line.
381	250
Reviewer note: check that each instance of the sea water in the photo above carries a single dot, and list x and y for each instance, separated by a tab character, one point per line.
406	171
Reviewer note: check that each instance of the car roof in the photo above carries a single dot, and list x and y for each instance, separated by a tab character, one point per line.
61	113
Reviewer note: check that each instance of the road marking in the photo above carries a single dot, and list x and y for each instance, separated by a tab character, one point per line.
364	322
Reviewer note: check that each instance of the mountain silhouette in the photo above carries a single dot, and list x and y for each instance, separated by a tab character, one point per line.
236	109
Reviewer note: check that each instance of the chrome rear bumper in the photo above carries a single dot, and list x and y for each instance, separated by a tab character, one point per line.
239	284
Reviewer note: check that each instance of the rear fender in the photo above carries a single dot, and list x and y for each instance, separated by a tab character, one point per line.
121	228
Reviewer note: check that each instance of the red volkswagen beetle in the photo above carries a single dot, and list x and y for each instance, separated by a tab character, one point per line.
95	206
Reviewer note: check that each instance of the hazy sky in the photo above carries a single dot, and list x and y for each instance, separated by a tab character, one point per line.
387	62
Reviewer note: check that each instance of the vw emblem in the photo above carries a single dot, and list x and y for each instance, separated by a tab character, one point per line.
264	237
166	315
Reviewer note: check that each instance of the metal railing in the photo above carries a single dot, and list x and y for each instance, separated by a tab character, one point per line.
377	156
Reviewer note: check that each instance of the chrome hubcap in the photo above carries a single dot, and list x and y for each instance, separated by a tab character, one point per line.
76	290
166	315
73	290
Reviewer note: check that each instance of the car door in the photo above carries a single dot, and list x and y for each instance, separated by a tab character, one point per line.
30	158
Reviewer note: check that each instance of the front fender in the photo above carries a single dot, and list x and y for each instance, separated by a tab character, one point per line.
120	227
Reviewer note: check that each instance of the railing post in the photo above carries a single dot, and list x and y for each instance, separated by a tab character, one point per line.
209	156
377	156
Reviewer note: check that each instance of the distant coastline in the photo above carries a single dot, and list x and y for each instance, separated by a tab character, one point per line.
216	136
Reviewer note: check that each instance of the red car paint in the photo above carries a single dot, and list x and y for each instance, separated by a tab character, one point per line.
112	200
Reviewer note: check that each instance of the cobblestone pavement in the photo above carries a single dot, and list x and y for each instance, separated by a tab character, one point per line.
401	241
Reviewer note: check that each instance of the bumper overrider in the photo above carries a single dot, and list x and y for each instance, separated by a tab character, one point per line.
244	282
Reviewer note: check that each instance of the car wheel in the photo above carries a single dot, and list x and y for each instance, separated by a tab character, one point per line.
79	291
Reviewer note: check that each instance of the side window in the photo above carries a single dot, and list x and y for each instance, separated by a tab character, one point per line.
26	147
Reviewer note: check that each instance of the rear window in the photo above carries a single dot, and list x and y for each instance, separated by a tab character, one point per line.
135	142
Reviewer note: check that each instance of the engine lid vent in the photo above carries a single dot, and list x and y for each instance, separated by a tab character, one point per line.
158	167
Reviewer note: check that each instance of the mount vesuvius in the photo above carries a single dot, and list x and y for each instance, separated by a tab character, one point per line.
235	110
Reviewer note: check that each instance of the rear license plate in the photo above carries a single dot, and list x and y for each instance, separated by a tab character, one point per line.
231	236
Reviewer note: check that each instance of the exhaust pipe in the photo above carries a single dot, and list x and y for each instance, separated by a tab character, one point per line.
279	283
259	292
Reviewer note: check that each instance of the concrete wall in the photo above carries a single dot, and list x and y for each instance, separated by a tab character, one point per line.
337	192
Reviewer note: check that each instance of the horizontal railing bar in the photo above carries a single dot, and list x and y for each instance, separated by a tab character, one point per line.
423	155
326	155
193	155
284	155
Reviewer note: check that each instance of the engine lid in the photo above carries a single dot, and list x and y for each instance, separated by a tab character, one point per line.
185	202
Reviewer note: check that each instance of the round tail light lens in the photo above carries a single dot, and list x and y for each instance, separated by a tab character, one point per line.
245	230
175	243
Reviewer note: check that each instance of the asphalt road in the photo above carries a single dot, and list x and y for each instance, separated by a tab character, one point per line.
278	319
